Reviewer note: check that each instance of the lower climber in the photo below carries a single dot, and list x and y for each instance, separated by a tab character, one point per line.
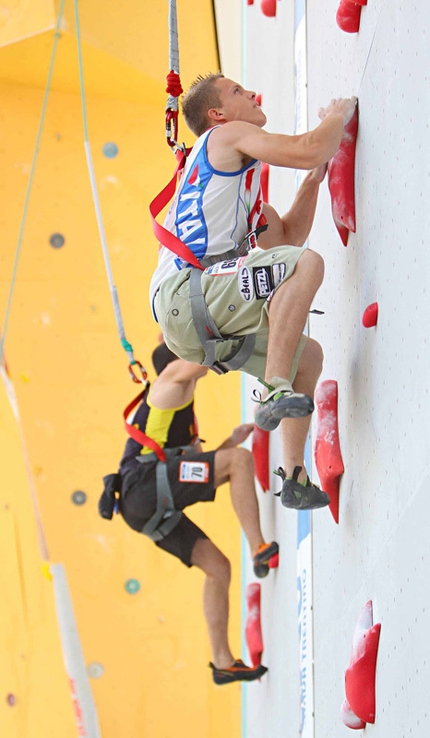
166	415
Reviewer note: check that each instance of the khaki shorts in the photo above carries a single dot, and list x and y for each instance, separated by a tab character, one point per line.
238	294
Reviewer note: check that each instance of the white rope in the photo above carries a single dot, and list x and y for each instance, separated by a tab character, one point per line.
172	102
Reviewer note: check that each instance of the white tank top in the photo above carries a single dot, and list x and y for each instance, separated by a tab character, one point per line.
212	211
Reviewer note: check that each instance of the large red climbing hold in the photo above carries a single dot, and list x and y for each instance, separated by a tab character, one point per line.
341	170
268	7
361	674
254	638
370	315
260	453
328	457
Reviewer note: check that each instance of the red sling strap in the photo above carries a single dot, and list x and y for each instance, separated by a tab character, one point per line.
165	237
138	435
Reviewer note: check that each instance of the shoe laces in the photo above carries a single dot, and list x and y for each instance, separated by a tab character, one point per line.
256	394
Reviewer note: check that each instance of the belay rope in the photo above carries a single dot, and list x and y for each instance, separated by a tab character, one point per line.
174	87
114	295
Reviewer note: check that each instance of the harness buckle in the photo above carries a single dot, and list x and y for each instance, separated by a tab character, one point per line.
219	368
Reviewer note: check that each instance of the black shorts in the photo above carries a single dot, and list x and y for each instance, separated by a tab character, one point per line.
191	478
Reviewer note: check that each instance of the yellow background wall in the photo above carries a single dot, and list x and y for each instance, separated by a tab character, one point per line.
68	367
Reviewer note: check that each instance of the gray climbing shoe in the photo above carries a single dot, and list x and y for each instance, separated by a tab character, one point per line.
298	496
281	402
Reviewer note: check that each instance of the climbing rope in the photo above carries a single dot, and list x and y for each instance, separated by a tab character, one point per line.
30	181
114	294
174	87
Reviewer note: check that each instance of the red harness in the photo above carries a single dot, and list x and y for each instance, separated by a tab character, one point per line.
165	237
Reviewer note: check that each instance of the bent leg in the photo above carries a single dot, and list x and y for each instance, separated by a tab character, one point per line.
294	431
288	312
216	567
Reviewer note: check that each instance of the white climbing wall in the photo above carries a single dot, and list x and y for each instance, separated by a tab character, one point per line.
381	548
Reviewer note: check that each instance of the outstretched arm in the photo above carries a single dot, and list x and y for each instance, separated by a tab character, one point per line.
176	384
238	139
294	227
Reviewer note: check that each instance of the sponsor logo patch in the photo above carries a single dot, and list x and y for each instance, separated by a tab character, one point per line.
263	284
245	284
278	273
194	471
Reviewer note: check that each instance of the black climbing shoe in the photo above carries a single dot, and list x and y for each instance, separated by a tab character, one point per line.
281	402
239	672
262	558
299	496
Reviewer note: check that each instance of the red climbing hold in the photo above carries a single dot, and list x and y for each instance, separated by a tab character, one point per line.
328	457
361	673
260	452
273	563
341	180
348	16
264	181
254	639
250	2
268	7
370	315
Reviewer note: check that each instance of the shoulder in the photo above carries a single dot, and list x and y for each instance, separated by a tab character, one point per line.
225	145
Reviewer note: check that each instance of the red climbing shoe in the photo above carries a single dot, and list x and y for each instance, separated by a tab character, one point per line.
281	402
262	558
238	672
300	496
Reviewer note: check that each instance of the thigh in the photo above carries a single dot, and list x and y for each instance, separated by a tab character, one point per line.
192	478
181	541
237	292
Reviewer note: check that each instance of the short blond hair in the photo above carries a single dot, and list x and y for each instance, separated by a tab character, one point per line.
202	95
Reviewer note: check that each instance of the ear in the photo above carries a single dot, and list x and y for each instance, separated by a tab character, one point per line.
216	115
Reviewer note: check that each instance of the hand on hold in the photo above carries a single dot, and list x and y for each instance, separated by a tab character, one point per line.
241	433
341	106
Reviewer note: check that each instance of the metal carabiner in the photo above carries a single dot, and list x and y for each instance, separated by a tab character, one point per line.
134	376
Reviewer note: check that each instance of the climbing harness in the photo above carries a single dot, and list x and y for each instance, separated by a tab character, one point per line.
165	517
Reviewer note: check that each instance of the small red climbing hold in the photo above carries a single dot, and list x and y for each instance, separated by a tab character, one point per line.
370	315
268	7
348	16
